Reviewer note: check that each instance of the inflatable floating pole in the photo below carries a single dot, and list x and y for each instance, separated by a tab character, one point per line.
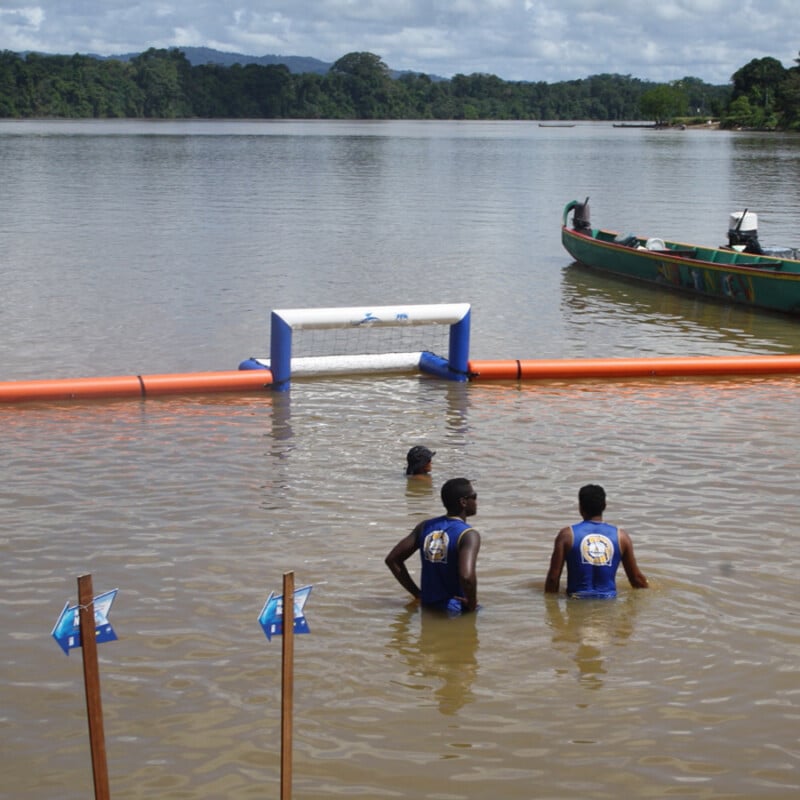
133	386
252	380
558	369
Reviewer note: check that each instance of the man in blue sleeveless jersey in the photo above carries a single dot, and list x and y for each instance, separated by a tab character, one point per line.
592	551
448	548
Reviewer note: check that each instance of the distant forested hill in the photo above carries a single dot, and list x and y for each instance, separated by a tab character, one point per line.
204	56
199	56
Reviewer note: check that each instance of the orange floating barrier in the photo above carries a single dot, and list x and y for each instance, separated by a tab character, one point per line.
141	386
557	369
494	370
134	386
207	382
69	389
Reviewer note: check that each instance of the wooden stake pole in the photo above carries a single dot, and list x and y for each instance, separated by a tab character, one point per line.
287	685
91	680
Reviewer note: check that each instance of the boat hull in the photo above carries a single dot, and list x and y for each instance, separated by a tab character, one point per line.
772	284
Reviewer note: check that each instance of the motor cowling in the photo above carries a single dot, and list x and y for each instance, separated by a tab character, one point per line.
743	232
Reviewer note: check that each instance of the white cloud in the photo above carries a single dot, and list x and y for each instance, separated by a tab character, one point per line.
21	27
26	17
515	39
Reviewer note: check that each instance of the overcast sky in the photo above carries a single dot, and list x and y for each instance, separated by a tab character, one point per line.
531	40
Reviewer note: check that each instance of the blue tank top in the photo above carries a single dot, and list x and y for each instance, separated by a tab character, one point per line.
438	549
593	560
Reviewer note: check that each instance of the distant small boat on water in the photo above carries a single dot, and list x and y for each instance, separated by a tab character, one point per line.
556	124
652	125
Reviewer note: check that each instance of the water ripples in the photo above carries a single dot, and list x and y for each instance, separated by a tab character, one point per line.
195	507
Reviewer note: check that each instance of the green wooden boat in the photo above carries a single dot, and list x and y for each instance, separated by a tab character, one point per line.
739	272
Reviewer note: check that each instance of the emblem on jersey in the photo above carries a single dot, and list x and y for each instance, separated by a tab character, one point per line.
435	546
597	549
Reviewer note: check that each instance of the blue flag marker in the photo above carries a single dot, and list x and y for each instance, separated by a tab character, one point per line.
67	631
271	616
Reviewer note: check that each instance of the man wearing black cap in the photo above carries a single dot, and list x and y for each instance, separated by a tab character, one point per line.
448	547
419	460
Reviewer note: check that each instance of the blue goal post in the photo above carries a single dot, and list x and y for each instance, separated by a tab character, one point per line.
454	367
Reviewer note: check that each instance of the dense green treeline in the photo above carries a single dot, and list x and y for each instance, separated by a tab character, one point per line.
163	84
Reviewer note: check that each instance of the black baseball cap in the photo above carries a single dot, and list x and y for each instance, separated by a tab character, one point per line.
417	458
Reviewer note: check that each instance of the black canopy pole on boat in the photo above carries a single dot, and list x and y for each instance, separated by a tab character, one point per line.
741	220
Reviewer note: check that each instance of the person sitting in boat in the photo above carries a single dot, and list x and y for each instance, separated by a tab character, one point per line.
582	217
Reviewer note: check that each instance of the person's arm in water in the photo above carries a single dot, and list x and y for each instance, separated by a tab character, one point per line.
635	576
561	547
468	547
397	557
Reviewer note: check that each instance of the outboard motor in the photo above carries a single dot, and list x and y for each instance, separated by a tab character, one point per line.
743	232
581	217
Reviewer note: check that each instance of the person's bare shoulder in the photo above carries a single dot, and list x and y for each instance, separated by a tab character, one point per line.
564	537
